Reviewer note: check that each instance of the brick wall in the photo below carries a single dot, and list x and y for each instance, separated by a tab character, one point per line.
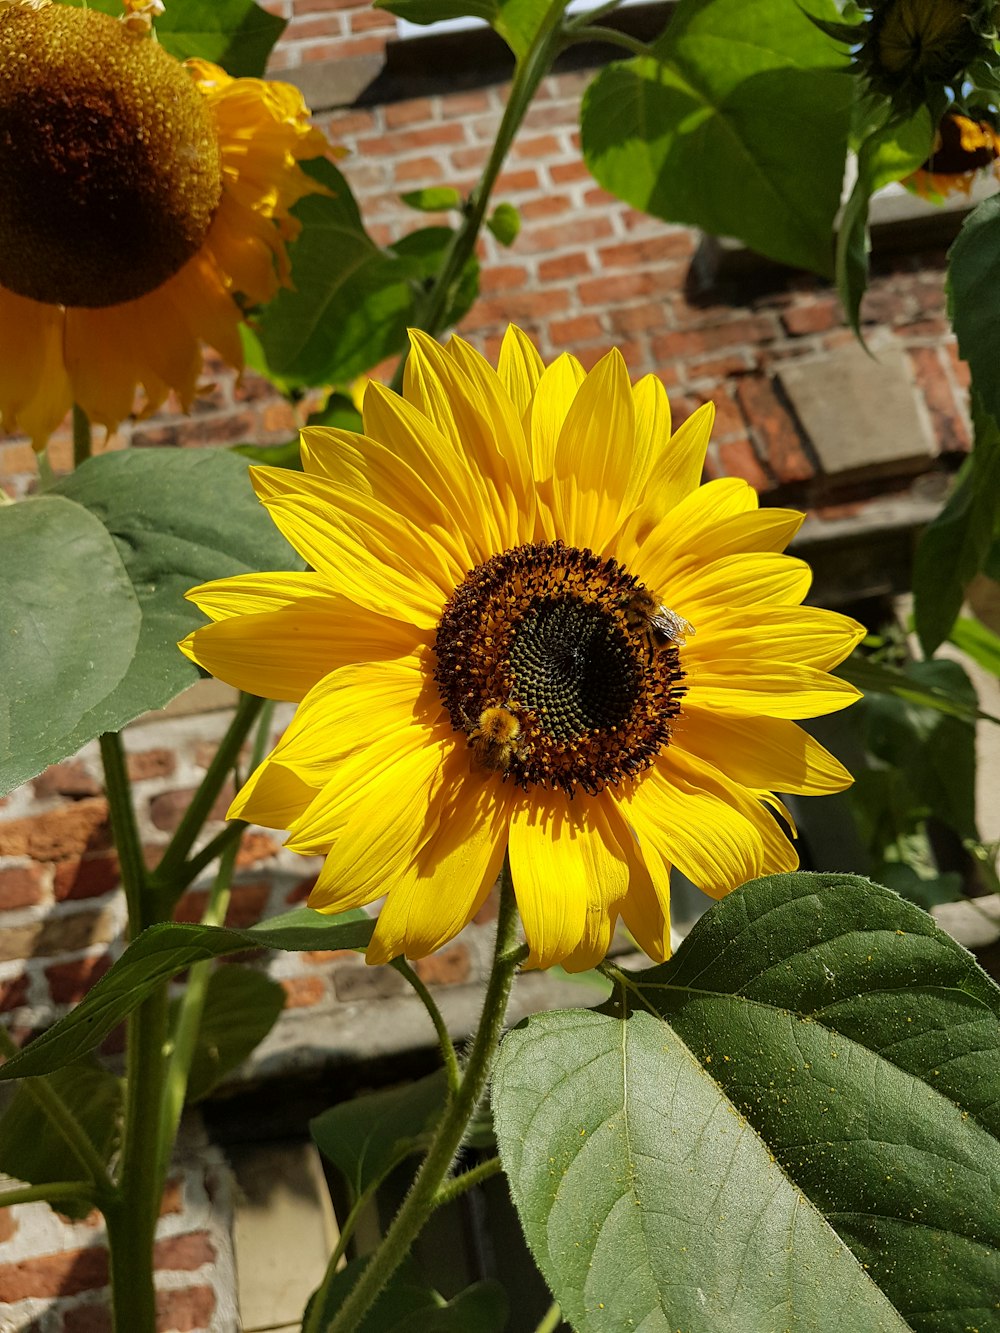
585	274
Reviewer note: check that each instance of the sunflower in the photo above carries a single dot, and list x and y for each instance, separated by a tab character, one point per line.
143	204
527	629
962	149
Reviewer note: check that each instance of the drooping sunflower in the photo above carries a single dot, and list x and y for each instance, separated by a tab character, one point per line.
527	627
962	149
143	204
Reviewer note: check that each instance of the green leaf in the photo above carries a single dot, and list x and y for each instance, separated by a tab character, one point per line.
407	1305
735	123
888	154
505	223
434	199
177	518
974	293
236	34
33	1151
426	248
977	641
792	1124
161	952
241	1008
953	548
60	660
517	21
881	678
339	411
367	1137
349	302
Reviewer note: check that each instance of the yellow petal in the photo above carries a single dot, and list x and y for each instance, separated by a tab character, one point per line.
761	752
35	392
805	635
679	541
248	594
743	687
520	368
456	868
272	796
553	398
646	909
748	580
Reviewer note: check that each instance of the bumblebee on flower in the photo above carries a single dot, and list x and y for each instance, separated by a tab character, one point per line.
473	679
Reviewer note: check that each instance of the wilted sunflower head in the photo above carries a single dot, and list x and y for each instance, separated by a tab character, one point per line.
962	149
527	629
143	203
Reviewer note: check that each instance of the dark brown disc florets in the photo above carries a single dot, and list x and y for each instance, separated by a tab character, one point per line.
545	640
110	172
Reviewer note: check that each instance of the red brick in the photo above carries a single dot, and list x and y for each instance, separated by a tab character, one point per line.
156	763
563	266
541	145
632	319
518	181
739	460
173	1196
960	367
57	834
254	848
534	240
304	30
561	172
184	1252
319	956
950	430
344	48
86	877
772	426
69	779
21	886
87	1319
517	306
565	333
8	1224
13	993
503	278
608	291
650	250
464	159
410	112
406	141
450	967
818	317
69	982
712	338
184	1309
720	367
301	891
549	205
167	809
369	20
49	1275
302	992
418	171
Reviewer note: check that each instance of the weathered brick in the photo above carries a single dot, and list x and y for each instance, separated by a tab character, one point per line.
167	809
247	904
698	342
254	848
303	992
773	428
156	763
86	876
71	778
567	333
738	459
503	278
564	266
69	982
48	1275
8	1224
87	1319
68	831
677	245
301	891
535	240
816	317
609	291
950	430
21	886
450	967
184	1253
184	1309
13	993
549	205
408	141
415	172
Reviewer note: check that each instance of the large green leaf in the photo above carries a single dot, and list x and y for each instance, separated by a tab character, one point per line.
236	34
241	1008
60	659
33	1151
792	1124
517	21
367	1137
953	548
888	154
161	952
349	301
735	123
974	292
177	518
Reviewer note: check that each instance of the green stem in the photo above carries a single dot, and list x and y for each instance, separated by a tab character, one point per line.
82	438
421	1200
459	1185
46	477
550	1320
531	69
56	1189
188	1021
64	1122
233	831
170	870
448	1053
595	33
126	831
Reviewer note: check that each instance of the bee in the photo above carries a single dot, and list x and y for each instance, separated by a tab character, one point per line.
659	626
494	738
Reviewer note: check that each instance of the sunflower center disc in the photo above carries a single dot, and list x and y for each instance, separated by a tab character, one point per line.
550	635
110	172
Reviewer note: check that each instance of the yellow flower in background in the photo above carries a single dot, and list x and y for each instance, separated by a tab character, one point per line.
143	203
527	625
962	149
